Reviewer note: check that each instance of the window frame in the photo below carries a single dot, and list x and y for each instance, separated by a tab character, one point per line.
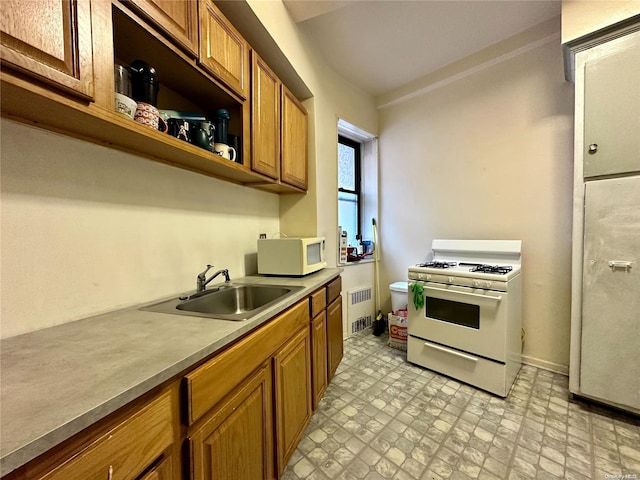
357	147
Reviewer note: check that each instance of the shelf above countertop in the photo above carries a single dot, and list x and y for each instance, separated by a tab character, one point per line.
58	381
101	126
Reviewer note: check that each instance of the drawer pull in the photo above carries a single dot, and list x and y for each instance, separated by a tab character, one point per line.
489	297
452	352
110	477
620	265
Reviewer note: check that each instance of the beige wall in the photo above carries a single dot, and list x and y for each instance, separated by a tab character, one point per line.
489	155
103	229
333	98
86	229
317	212
580	17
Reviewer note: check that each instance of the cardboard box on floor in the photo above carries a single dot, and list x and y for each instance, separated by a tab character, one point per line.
398	329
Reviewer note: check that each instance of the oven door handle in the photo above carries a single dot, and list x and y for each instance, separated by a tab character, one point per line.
452	352
489	297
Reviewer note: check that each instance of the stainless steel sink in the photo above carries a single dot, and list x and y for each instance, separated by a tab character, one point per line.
235	302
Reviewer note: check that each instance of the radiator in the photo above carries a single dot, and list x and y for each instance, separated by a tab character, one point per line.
360	309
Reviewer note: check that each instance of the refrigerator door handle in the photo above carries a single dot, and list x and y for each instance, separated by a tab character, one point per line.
620	265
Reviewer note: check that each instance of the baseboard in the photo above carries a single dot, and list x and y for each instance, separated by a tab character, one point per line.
546	365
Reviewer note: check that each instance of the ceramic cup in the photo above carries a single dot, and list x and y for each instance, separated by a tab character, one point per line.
125	105
202	135
224	150
149	115
179	128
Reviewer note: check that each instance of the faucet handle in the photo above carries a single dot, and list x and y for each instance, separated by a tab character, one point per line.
203	274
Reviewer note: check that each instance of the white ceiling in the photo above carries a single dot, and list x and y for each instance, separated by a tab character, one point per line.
382	45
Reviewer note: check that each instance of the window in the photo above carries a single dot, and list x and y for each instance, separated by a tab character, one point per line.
349	175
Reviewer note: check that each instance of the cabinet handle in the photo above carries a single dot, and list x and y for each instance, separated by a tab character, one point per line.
477	295
593	148
110	477
451	352
620	265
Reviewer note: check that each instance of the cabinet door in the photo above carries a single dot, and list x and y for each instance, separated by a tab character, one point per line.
319	356
127	450
292	380
612	112
610	301
223	51
334	336
51	40
235	442
163	471
177	18
294	141
265	119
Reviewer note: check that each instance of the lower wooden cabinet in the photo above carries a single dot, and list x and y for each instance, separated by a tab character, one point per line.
251	399
124	449
319	357
163	471
243	411
236	440
292	380
334	336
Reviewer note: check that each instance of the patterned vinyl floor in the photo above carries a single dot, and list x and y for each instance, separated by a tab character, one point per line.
383	418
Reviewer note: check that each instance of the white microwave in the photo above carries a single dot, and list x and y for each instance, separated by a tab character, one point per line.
290	256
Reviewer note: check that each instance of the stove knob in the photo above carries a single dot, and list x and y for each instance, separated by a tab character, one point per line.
428	276
450	279
421	276
488	284
476	283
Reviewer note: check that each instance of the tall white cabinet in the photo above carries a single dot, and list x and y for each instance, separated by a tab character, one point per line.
605	319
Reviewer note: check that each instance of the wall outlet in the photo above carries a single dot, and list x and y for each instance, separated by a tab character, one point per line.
262	236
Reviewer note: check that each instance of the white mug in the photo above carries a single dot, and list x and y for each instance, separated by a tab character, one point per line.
225	151
125	105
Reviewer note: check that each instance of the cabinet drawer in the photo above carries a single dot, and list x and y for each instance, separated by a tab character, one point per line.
209	383
334	289
478	371
318	302
127	450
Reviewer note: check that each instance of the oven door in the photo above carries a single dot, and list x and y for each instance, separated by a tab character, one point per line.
469	319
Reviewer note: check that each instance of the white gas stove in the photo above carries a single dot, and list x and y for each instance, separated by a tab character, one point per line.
466	323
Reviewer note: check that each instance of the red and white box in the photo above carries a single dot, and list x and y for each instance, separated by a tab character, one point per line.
398	329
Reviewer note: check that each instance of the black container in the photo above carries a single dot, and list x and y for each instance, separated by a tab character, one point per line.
236	143
222	124
144	82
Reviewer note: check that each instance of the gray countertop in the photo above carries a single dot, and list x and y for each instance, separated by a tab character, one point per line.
58	381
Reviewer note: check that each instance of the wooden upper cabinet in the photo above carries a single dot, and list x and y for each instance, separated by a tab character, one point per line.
294	147
223	51
51	40
176	18
265	119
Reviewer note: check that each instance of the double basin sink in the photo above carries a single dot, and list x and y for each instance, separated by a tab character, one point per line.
227	302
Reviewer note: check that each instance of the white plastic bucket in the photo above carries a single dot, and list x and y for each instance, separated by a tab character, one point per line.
399	295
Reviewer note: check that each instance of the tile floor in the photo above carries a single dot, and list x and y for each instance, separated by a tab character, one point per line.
383	418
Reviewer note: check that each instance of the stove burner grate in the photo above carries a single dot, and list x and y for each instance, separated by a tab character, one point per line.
499	269
437	264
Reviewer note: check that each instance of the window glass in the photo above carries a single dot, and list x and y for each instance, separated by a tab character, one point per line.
346	167
348	215
349	171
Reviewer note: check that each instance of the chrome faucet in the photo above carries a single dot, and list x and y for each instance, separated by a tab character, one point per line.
202	280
